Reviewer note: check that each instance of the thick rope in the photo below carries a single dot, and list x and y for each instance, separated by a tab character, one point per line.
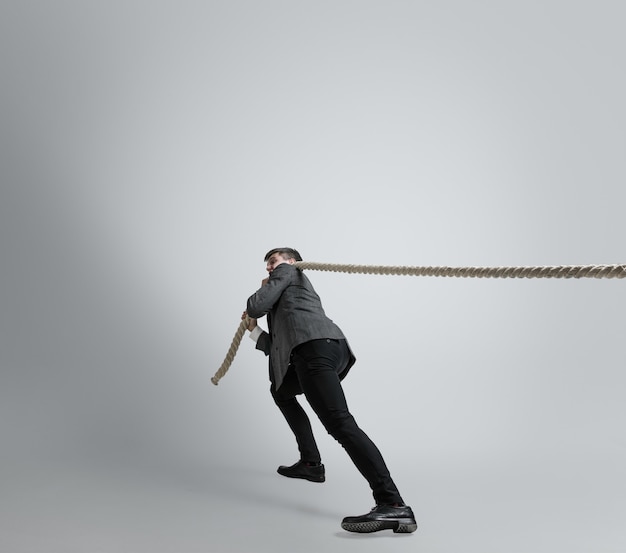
562	271
232	351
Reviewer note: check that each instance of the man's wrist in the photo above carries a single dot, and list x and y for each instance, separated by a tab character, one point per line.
255	333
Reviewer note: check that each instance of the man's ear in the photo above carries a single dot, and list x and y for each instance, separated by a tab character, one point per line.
291	261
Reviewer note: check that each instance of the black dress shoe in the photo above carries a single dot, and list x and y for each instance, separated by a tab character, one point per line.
382	517
301	469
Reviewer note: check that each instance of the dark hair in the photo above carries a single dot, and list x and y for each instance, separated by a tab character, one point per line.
287	253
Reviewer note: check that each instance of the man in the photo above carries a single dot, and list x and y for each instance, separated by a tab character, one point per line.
308	354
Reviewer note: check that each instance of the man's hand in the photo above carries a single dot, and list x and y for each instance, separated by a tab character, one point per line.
251	322
264	281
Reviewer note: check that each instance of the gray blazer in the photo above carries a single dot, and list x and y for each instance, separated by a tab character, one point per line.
295	315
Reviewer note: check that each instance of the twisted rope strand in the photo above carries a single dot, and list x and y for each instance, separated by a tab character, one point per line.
561	271
232	351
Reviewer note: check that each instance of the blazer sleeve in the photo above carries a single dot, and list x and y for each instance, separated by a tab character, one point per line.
261	302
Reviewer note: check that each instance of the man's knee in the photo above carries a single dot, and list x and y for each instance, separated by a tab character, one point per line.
282	397
339	424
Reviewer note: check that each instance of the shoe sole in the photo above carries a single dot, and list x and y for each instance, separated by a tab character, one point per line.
317	479
398	527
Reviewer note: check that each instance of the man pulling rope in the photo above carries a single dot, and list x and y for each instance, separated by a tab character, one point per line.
616	271
308	354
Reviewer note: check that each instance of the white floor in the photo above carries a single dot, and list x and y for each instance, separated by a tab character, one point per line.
157	507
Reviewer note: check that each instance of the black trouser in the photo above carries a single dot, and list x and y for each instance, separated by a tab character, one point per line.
314	371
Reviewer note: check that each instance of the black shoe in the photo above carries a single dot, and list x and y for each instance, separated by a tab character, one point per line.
301	469
382	517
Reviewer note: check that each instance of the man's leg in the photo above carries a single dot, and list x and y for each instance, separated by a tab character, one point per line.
317	364
309	467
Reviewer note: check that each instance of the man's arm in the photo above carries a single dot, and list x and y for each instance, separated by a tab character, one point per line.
261	302
262	338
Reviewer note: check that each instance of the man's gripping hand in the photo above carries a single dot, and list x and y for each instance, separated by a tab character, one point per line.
251	322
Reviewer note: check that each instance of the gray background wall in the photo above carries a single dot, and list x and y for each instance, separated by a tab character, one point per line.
151	152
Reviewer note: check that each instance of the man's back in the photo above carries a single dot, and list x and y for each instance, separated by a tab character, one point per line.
295	314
